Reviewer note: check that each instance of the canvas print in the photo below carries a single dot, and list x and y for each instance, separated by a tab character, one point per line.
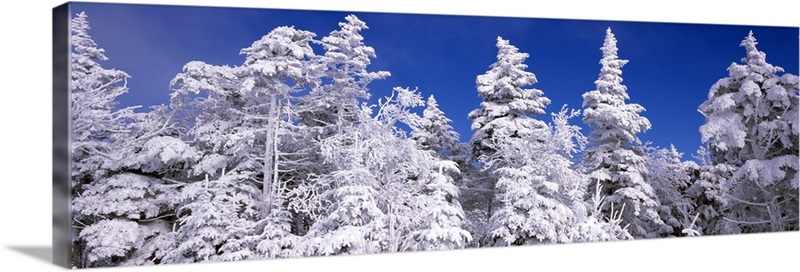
201	134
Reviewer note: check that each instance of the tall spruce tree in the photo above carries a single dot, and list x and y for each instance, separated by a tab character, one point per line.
615	157
504	114
507	105
752	128
341	84
241	121
344	78
95	121
104	203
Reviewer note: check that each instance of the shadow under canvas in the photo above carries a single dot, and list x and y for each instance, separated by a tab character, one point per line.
42	253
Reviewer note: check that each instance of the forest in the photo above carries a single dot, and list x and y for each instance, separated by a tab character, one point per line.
284	156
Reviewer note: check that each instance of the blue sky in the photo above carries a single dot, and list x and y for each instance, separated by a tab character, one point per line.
671	68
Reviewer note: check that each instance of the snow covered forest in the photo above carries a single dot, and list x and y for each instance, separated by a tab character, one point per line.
284	156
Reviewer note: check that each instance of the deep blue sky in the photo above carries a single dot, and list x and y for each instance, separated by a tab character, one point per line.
671	68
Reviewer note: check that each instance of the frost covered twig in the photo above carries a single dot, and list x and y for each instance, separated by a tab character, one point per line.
690	231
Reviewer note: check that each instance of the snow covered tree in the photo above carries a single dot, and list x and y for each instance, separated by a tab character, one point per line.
353	223
218	223
507	106
670	179
95	121
436	133
241	119
388	195
105	201
136	196
151	157
504	114
537	192
278	57
442	217
529	211
341	83
708	191
111	240
241	123
122	159
541	192
587	223
615	157
357	219
344	77
752	127
598	226
419	191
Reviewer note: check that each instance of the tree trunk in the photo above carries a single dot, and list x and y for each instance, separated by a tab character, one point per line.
270	160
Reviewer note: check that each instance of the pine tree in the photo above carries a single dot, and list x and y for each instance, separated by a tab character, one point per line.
615	157
353	223
388	194
751	126
96	122
506	105
442	217
709	191
504	115
105	202
341	82
536	191
532	179
436	133
422	201
586	222
138	196
368	193
670	179
344	77
242	124
218	223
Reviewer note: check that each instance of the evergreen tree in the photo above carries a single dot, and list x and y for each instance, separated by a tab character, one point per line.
344	77
95	123
670	178
538	191
388	195
441	224
615	157
139	191
507	106
436	134
352	223
107	202
340	84
598	226
709	190
504	115
217	223
586	222
242	123
751	128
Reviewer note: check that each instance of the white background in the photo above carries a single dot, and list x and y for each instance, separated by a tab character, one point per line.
25	171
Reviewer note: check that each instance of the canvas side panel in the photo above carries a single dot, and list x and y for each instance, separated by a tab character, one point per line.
61	195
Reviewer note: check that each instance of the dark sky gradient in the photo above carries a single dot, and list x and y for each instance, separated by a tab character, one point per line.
671	68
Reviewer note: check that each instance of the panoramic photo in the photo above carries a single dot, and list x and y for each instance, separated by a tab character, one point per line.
227	134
